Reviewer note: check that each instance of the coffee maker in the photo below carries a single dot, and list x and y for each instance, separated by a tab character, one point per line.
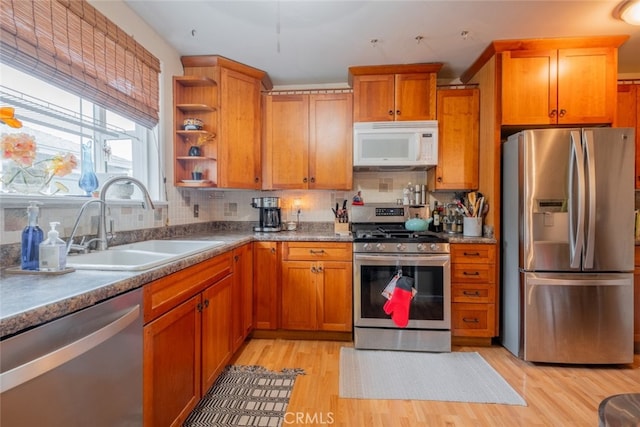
270	217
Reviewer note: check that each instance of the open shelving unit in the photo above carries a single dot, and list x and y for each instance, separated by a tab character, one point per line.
195	97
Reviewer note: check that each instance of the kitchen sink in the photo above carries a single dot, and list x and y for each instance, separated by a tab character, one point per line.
140	255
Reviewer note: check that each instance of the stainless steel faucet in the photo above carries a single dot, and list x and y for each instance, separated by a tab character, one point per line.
102	228
82	246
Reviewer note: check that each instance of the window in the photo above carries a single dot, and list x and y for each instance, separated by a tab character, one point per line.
60	122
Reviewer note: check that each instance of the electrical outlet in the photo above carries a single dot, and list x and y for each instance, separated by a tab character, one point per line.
196	210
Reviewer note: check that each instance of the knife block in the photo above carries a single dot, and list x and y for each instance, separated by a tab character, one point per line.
341	228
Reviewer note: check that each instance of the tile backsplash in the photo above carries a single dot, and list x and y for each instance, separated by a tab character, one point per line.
216	205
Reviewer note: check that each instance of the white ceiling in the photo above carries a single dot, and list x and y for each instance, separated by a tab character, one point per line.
314	42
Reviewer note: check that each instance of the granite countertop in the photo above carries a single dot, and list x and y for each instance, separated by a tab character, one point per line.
28	300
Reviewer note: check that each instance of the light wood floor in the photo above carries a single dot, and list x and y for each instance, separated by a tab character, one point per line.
556	395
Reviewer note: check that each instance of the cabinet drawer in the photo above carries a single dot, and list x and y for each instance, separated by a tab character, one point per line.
473	293
473	273
473	320
473	254
310	251
163	294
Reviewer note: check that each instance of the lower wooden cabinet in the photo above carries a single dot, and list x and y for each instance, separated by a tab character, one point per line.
187	338
266	290
242	300
317	287
473	290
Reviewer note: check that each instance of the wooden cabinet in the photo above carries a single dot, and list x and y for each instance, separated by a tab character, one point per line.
636	302
563	86
266	289
242	302
458	138
187	338
308	141
317	286
473	290
225	95
394	92
628	115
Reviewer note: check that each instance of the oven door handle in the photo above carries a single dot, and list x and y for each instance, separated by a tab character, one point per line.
426	259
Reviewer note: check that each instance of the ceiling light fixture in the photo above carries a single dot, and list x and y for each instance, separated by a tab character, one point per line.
629	12
419	39
464	34
374	42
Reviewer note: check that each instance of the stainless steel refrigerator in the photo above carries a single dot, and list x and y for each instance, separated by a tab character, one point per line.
568	245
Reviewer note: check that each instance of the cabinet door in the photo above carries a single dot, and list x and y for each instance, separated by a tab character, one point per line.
239	156
331	141
636	301
286	142
266	277
587	85
458	134
172	365
242	294
415	96
373	98
529	87
628	115
335	296
216	329
299	295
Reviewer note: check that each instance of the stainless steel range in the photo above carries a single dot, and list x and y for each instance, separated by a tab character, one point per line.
418	263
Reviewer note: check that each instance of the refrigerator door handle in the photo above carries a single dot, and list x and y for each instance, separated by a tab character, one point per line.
576	225
588	141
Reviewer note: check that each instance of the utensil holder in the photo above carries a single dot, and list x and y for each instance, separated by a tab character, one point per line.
341	228
472	226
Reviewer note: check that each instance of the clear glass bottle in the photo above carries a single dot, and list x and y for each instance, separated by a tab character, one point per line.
88	179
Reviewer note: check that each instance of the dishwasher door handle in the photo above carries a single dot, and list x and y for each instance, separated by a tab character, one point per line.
43	364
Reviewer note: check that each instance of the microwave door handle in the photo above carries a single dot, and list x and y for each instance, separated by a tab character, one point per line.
576	200
590	180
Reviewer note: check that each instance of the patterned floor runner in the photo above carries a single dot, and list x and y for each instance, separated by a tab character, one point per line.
245	396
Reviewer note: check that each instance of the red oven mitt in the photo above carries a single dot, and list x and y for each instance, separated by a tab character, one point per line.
398	305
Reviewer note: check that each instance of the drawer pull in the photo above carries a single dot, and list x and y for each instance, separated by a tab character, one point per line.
321	251
471	294
471	273
470	320
472	254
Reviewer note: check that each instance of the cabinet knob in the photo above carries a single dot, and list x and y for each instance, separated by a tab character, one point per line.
563	112
256	179
552	113
397	112
313	269
206	303
391	112
313	179
304	180
319	270
316	252
236	258
471	253
273	251
471	293
439	179
470	320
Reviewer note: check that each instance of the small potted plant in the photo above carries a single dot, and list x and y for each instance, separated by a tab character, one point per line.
196	173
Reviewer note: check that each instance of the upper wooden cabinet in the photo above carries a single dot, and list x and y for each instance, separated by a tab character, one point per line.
394	92
628	115
563	86
225	95
458	123
308	141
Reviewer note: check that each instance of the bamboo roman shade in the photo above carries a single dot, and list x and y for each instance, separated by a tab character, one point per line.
70	44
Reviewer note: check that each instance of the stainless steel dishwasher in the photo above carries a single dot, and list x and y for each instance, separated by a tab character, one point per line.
84	369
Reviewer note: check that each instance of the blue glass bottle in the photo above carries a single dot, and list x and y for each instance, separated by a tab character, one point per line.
32	236
88	179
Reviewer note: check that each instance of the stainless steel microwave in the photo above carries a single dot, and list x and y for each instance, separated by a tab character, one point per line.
411	145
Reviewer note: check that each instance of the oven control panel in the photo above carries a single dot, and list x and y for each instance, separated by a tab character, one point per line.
387	211
402	247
